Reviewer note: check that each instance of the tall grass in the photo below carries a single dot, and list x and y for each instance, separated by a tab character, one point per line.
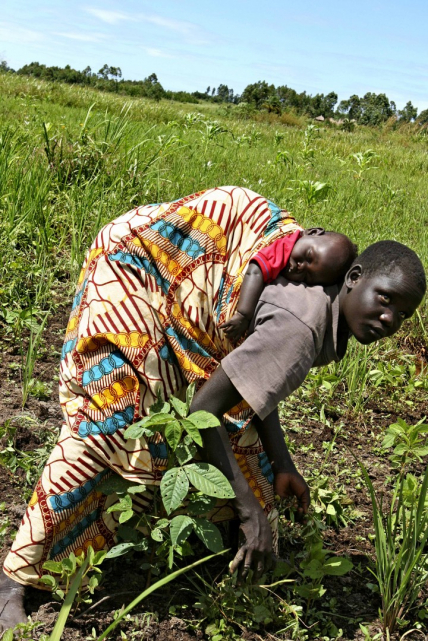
72	159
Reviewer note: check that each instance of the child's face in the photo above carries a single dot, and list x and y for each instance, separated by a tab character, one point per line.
313	260
375	306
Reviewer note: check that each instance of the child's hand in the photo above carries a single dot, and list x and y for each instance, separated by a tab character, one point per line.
288	484
236	327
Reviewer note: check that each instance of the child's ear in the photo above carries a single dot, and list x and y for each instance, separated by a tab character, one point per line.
353	276
314	231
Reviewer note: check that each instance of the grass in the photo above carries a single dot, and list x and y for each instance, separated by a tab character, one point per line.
72	159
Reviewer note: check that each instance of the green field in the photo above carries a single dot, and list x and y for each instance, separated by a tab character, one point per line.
72	159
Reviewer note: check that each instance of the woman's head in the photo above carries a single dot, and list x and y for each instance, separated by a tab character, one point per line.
320	257
383	287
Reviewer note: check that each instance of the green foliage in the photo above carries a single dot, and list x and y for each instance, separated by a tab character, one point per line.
401	530
66	570
317	563
182	432
328	504
409	442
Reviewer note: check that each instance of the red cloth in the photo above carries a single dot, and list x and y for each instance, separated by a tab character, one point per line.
274	258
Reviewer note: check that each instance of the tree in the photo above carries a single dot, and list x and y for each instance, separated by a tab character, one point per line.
423	117
409	113
103	72
257	93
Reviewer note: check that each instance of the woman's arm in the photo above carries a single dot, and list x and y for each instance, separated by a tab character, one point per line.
217	396
287	480
251	289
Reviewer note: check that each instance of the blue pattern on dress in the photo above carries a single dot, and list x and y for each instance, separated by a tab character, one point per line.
265	466
109	426
275	219
68	347
142	263
74	534
177	237
78	296
106	366
71	498
187	344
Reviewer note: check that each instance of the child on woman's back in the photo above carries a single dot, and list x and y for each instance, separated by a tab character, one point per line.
313	256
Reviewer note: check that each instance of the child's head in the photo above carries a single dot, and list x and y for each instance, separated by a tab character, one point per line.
383	287
320	257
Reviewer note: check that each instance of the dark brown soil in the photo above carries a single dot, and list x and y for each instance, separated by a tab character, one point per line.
355	601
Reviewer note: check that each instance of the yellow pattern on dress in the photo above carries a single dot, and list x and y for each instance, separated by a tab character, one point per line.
205	226
114	392
122	339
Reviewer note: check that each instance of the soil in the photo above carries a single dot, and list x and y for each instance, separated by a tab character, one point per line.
355	601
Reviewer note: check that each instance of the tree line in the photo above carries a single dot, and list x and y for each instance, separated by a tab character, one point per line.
371	109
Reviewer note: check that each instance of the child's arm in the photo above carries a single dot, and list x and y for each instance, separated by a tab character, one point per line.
251	289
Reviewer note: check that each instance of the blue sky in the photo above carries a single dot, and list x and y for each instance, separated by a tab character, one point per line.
347	47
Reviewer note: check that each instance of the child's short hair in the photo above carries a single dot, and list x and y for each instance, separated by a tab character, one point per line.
348	255
386	256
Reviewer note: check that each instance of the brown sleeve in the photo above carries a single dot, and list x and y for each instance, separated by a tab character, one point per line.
273	361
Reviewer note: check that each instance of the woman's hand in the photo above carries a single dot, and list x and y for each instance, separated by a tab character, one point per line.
256	552
235	327
292	483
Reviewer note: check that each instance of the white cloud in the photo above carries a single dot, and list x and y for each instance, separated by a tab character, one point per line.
111	17
84	37
13	33
193	32
156	53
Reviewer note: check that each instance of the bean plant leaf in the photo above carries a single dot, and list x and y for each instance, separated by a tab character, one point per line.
148	425
137	430
159	406
128	532
174	487
200	504
114	484
125	516
48	580
209	480
185	452
203	420
157	535
180	528
53	566
124	504
179	406
209	534
192	431
337	566
119	550
173	431
190	392
99	557
135	489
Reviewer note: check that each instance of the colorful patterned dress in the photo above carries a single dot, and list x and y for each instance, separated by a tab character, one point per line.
154	288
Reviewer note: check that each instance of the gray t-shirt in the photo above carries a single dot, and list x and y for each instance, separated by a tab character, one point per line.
294	328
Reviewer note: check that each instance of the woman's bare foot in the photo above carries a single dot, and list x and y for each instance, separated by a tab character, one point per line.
11	603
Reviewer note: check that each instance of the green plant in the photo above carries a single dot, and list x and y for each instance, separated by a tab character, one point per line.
364	161
401	530
29	359
24	631
317	563
181	432
328	504
227	609
151	589
66	569
408	441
